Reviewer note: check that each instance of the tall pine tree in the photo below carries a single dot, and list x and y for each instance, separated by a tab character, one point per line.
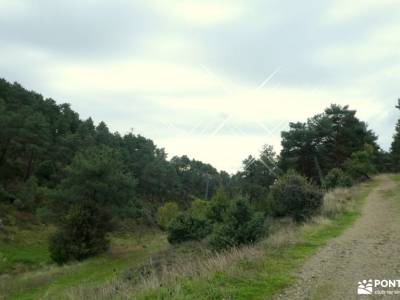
395	148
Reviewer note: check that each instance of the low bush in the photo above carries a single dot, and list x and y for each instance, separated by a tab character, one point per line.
199	208
166	213
360	165
293	196
217	207
186	227
337	178
240	225
81	235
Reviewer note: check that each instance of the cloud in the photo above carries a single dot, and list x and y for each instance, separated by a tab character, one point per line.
199	13
342	10
185	73
76	29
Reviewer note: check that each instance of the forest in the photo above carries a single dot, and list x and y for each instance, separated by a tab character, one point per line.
89	183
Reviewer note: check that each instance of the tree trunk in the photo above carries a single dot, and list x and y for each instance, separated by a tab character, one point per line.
4	151
29	168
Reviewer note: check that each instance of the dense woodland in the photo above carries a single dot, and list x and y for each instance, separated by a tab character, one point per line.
76	174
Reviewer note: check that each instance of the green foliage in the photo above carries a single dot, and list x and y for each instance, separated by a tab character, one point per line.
360	165
159	180
97	175
28	193
293	196
186	227
196	179
199	208
257	176
395	147
46	140
4	195
166	213
337	178
240	225
324	142
218	206
82	235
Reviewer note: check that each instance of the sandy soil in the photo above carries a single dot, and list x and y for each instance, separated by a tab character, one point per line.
370	249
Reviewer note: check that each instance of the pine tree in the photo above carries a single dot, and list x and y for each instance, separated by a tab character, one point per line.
395	148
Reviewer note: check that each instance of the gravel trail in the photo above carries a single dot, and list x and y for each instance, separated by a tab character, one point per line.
370	249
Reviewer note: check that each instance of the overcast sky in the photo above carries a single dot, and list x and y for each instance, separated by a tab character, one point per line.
215	80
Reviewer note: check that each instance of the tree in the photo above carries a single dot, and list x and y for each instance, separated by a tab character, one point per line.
337	178
324	142
82	235
240	225
293	196
80	160
258	174
159	181
395	147
360	165
97	175
166	213
186	227
196	179
218	206
199	208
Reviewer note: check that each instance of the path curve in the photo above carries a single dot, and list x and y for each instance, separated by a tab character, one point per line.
368	250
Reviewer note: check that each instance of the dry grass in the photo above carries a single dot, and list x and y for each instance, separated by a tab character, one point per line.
169	267
155	273
338	201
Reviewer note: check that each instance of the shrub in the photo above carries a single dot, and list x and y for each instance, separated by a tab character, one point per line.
27	194
217	207
82	234
4	195
186	227
360	165
336	202
241	225
293	196
166	214
337	178
198	208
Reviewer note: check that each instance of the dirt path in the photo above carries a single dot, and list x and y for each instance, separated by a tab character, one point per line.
370	249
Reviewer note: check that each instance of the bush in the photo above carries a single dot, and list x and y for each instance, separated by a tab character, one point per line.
166	214
218	206
293	196
186	227
4	195
199	208
241	225
28	194
82	234
337	178
360	165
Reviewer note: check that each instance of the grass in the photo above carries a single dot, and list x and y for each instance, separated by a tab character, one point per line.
263	276
26	250
52	282
253	272
256	272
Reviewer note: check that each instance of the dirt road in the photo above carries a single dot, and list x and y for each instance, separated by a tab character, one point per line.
370	249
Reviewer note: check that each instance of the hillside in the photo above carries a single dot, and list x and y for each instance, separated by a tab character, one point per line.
87	213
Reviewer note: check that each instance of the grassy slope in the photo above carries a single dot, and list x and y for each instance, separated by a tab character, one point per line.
263	278
28	250
252	279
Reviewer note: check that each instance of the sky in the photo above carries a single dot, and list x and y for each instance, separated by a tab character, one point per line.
215	80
